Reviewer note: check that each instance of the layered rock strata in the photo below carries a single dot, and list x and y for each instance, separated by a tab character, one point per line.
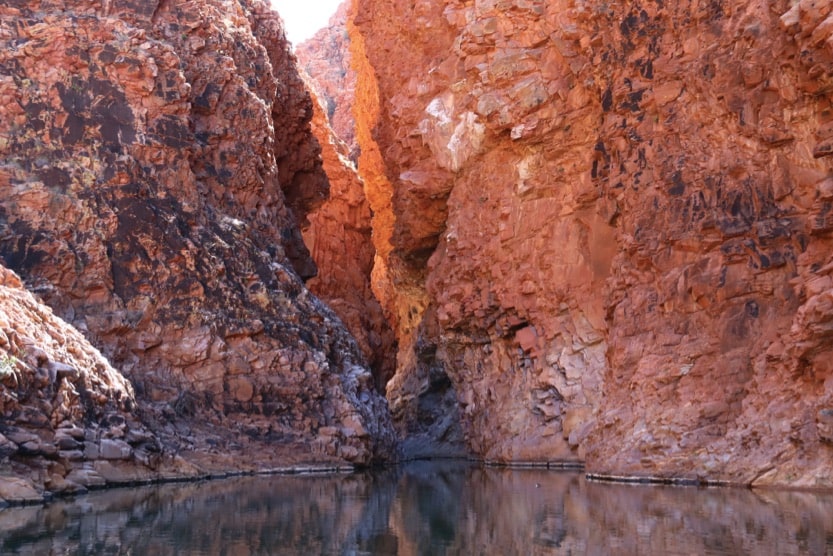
608	225
155	159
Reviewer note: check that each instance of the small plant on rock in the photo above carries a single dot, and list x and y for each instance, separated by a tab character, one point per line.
8	367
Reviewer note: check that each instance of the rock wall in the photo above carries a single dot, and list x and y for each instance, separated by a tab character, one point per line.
65	410
607	226
155	158
326	59
339	238
340	231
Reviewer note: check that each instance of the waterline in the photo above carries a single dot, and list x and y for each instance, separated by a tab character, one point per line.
446	507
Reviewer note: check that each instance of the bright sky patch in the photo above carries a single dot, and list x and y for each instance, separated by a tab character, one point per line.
304	17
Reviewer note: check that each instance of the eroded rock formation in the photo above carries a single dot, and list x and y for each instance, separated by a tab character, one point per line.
326	58
65	412
608	225
155	159
600	232
339	238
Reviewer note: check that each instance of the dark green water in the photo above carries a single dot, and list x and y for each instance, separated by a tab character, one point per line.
423	509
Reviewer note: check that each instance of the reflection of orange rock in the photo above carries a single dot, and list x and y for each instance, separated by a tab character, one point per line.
641	195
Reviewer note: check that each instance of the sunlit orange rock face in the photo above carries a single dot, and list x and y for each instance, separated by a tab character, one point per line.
339	239
339	234
350	105
155	160
326	58
606	226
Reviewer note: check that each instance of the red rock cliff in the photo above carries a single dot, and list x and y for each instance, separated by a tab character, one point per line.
339	238
326	58
154	157
69	419
609	226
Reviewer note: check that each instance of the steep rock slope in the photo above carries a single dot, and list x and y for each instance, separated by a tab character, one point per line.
609	226
151	157
67	417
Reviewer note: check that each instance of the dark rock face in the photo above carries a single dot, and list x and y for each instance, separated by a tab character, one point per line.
609	224
154	157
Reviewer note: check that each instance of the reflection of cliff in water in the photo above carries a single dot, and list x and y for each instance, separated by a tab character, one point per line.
248	515
420	509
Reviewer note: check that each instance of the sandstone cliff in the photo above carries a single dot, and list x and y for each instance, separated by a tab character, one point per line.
339	238
606	227
428	422
155	160
327	60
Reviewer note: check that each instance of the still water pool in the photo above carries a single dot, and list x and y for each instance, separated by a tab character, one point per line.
424	508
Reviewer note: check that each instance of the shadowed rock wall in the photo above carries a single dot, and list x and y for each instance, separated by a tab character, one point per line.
155	158
339	238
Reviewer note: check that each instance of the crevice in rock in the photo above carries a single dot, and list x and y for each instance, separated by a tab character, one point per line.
600	229
429	421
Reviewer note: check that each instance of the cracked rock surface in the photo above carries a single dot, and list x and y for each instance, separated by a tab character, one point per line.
155	161
608	225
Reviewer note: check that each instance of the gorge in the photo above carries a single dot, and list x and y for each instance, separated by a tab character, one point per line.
521	231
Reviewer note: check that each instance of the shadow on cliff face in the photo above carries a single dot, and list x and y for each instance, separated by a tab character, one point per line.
151	163
426	408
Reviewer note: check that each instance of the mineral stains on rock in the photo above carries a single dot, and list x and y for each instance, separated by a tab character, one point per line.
599	231
608	226
155	159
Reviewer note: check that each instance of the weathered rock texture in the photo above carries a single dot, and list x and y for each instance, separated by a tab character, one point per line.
326	58
339	238
63	409
149	156
608	224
